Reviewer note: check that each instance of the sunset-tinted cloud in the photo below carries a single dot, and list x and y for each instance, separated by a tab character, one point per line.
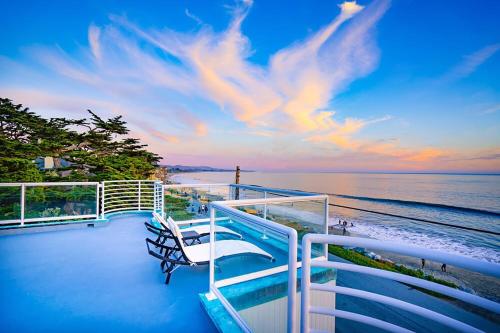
187	92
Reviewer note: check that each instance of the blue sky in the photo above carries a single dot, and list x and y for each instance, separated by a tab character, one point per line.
303	85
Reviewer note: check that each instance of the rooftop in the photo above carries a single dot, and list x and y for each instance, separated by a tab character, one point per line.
92	271
85	279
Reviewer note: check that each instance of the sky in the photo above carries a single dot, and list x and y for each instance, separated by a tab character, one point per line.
405	86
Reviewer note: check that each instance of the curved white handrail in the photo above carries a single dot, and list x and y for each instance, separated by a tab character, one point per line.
123	195
455	260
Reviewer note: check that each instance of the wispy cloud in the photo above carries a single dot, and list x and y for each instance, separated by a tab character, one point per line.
341	133
192	16
93	36
471	62
292	91
164	136
158	74
491	109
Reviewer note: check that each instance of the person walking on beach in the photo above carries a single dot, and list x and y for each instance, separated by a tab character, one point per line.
344	231
423	263
443	268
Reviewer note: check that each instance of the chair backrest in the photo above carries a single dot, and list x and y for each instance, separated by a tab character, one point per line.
174	228
170	225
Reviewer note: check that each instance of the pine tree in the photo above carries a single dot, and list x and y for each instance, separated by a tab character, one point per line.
94	148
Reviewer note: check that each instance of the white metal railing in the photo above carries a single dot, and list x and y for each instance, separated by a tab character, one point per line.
455	260
24	215
265	196
210	188
159	199
227	207
128	195
194	185
109	197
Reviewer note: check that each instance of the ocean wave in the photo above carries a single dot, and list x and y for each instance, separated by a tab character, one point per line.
428	241
420	204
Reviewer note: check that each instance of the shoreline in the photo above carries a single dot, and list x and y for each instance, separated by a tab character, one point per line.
469	281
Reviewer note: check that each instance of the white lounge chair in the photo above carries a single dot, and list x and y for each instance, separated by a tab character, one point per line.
198	254
190	235
203	230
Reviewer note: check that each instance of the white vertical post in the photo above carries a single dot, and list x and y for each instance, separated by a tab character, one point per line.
139	203
97	201
212	248
292	281
265	206
23	202
162	205
305	284
327	218
103	185
155	198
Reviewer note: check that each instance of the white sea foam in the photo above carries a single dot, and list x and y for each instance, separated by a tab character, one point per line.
428	241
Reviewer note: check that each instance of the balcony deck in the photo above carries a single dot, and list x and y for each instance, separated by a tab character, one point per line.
102	279
95	279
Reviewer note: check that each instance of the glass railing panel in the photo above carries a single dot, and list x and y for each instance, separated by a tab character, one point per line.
303	216
60	202
250	194
259	247
183	203
10	207
254	280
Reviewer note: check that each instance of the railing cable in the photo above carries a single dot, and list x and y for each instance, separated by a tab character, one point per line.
418	219
491	232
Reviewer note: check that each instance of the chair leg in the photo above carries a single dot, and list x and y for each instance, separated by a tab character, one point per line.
168	272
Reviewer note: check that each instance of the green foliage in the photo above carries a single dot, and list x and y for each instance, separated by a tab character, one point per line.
176	207
95	148
15	169
363	260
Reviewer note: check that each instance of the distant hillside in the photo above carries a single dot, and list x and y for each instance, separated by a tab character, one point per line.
190	168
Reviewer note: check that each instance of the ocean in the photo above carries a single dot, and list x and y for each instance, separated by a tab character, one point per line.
465	200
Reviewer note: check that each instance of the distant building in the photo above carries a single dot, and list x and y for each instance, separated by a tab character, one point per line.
50	163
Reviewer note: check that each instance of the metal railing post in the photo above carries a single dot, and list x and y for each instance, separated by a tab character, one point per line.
212	249
162	205
139	203
97	201
265	206
327	218
23	202
156	199
103	186
305	285
292	281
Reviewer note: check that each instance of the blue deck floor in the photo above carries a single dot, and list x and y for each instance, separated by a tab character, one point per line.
94	280
102	279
